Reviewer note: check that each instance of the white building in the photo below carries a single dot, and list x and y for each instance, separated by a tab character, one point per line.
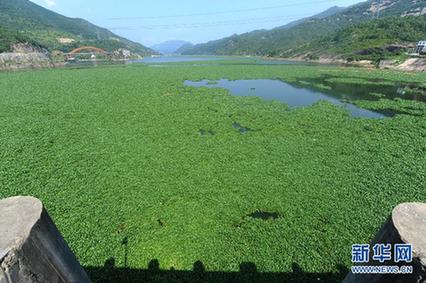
421	47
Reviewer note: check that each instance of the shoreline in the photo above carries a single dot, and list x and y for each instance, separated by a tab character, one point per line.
37	60
414	64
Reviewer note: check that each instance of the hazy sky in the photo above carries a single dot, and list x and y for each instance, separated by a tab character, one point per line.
150	22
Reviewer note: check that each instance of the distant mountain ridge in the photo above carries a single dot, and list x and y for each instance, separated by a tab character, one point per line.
184	48
329	12
170	47
57	32
281	41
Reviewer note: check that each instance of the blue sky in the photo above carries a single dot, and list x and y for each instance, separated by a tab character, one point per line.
151	22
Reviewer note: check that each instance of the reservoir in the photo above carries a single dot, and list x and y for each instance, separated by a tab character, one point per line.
294	96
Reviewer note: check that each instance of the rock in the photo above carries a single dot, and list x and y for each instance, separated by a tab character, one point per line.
12	61
27	48
413	64
409	220
31	247
387	64
407	225
362	63
65	40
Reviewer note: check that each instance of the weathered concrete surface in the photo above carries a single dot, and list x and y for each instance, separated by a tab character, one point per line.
407	225
410	221
31	247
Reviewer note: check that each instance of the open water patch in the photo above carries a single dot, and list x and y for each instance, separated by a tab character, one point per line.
292	95
264	215
204	132
177	59
241	128
366	89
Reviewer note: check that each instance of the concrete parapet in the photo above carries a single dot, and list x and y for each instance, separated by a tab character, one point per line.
407	225
31	247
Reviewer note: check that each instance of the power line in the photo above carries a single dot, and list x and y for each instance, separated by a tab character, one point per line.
212	24
223	12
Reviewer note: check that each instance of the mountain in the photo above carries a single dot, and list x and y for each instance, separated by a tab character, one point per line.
170	47
329	12
374	40
184	48
10	37
282	41
56	32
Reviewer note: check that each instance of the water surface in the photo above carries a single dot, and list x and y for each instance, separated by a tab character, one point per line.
293	96
171	59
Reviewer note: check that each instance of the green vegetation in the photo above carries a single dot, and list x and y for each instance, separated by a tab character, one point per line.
46	28
374	40
9	37
134	166
324	28
184	48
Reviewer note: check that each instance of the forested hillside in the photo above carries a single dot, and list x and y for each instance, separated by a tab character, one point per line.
30	22
374	40
9	37
281	41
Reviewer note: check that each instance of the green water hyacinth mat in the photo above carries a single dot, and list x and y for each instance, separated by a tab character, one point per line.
142	174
